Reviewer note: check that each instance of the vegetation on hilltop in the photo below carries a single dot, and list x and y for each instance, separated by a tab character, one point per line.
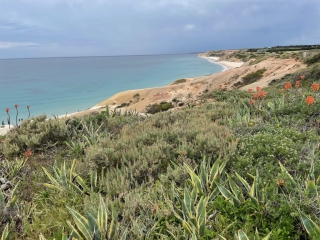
245	166
257	55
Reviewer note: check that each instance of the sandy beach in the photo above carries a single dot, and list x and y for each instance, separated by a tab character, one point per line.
225	64
192	90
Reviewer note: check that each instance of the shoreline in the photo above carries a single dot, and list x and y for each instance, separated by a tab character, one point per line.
225	64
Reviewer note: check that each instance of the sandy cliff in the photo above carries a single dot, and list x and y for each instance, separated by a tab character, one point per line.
193	88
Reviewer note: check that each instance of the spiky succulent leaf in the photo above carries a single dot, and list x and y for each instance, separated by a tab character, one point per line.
102	215
244	182
228	195
312	228
74	232
268	236
196	182
52	179
82	223
284	170
5	233
242	236
2	202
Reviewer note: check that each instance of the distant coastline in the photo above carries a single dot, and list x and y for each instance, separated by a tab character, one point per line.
225	64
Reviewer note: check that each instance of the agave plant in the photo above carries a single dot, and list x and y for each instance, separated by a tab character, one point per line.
310	191
191	210
254	192
66	178
241	235
95	224
6	204
5	233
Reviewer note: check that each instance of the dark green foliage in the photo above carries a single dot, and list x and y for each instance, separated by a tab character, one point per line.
312	60
183	80
155	108
34	134
148	168
227	96
253	77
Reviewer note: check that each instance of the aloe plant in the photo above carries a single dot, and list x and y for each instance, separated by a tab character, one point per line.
5	233
66	178
14	167
193	213
310	191
191	209
94	225
205	183
63	179
255	192
12	198
241	235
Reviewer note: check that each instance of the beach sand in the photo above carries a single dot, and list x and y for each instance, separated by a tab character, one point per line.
191	91
225	64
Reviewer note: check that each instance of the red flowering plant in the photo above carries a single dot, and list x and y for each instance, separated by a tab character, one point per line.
8	119
17	114
28	153
310	100
315	87
287	86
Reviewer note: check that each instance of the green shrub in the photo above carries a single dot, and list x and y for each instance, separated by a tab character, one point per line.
35	134
253	77
265	149
314	59
182	80
155	108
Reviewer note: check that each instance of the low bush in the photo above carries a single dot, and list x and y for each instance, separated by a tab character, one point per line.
35	134
312	60
155	108
179	81
253	77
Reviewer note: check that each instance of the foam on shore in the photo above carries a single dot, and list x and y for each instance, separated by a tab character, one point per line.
225	64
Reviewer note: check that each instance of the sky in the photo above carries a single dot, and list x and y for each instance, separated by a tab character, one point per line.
68	28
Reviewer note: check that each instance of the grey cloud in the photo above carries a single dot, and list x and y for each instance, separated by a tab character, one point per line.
115	27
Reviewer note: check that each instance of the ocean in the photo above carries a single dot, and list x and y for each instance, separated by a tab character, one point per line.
56	86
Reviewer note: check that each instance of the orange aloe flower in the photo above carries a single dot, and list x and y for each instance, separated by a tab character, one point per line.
28	153
258	89
7	110
16	105
250	90
251	101
255	96
315	87
297	84
280	91
287	86
310	100
262	94
302	77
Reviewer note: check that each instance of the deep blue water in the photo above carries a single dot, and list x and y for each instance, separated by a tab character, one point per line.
57	86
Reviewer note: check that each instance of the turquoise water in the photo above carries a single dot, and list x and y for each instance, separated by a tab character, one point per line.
56	86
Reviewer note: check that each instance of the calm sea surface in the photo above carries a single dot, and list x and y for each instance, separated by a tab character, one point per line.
56	86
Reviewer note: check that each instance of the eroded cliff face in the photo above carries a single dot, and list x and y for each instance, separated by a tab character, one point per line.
224	55
191	91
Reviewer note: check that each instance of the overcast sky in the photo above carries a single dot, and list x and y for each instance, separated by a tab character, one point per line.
51	28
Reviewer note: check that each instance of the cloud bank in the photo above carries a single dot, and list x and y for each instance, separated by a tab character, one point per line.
37	28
